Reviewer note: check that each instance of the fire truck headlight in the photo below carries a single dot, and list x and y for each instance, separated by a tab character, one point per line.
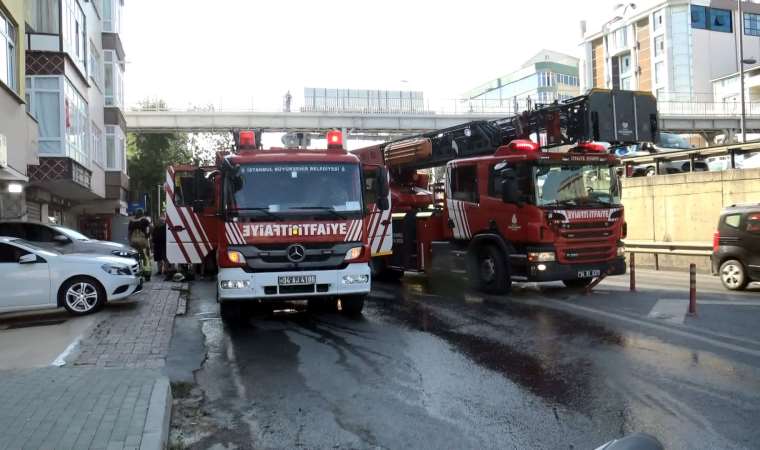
541	256
354	253
621	251
235	257
355	279
234	284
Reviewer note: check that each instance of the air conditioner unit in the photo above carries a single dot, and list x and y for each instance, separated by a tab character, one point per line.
3	151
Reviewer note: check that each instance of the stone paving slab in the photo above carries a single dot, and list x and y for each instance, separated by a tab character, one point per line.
83	408
133	335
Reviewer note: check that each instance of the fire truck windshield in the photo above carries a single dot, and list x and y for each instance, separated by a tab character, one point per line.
298	189
576	185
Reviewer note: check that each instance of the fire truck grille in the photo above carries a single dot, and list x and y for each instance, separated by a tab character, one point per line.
588	254
317	256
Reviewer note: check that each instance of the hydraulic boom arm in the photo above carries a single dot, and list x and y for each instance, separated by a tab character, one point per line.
617	117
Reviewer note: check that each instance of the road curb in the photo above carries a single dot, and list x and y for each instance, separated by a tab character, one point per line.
156	431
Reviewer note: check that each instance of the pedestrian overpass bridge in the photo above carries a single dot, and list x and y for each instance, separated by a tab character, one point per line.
679	117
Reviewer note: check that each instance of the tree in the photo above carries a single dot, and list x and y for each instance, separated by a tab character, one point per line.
149	154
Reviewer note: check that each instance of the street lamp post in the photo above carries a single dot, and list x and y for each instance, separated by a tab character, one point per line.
742	62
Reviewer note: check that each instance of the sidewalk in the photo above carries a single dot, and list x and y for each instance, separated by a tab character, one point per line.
111	393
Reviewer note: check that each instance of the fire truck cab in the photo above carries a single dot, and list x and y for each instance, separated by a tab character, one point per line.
280	224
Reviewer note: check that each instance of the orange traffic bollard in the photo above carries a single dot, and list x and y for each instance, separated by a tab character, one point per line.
692	289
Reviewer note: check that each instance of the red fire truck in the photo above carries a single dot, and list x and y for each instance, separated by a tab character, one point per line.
509	209
280	224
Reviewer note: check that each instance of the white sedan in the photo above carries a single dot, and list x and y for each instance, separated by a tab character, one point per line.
36	278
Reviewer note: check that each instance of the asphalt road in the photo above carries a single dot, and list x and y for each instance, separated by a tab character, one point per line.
430	365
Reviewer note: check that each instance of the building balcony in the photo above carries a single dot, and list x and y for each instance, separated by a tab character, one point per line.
63	176
117	185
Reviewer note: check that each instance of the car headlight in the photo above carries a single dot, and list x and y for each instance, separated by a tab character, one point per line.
621	251
122	253
115	269
541	256
354	253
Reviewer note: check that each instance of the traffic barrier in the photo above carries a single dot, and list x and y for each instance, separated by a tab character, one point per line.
632	258
692	289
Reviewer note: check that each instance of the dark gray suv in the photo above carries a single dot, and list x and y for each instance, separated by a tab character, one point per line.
63	239
736	246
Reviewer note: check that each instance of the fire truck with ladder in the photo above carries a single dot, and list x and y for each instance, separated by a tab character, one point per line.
279	224
509	208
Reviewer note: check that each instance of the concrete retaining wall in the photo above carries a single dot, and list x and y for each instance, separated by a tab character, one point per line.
683	207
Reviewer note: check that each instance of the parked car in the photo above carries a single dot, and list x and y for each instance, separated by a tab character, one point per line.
64	240
736	246
668	143
33	277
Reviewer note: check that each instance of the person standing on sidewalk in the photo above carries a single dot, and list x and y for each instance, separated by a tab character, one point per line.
159	245
139	239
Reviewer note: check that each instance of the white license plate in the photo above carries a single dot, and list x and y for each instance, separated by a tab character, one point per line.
589	273
295	280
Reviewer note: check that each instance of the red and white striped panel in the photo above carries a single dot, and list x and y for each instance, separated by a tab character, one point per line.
355	231
187	241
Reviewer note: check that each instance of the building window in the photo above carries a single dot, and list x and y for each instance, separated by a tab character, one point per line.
713	19
621	38
659	72
625	83
75	32
112	16
752	24
97	147
8	63
42	16
625	64
657	19
659	46
95	68
45	104
114	80
77	123
116	158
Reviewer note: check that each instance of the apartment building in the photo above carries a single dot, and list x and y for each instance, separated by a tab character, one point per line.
674	48
74	79
18	130
544	78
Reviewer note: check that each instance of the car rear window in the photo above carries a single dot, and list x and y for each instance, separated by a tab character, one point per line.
753	223
733	220
12	230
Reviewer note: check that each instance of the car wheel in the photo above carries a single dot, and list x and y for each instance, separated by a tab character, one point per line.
651	172
733	276
577	283
82	295
352	305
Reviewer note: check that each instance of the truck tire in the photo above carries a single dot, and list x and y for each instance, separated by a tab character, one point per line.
352	305
488	269
231	313
578	282
381	271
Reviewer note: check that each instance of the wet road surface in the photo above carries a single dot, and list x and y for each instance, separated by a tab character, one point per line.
431	366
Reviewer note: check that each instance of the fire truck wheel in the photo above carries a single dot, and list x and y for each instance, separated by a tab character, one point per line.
577	283
231	313
352	305
488	270
381	271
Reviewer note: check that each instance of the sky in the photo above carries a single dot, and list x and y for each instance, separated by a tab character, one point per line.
243	54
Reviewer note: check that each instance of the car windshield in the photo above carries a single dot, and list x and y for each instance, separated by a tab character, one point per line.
669	140
576	185
77	236
316	189
34	247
